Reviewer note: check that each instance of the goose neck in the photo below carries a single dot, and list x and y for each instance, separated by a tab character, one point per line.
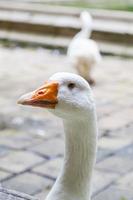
74	181
80	151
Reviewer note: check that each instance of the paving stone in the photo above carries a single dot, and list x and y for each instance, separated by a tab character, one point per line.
116	164
114	193
107	109
42	195
114	143
6	194
4	150
17	139
128	101
50	148
126	132
102	179
50	168
126	181
19	161
117	120
126	152
34	126
28	183
102	153
108	96
54	128
4	175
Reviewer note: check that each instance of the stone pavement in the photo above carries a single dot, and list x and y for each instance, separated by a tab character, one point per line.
6	194
31	139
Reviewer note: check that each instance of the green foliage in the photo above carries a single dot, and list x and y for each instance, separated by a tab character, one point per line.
123	198
111	6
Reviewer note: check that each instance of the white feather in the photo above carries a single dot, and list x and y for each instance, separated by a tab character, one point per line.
77	109
82	52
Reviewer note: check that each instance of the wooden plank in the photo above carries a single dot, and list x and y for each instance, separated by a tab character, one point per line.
67	11
65	26
54	26
62	42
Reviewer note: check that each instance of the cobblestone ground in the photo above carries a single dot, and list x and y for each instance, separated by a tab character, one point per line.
31	142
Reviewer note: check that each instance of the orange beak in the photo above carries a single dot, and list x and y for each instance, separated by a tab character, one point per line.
45	96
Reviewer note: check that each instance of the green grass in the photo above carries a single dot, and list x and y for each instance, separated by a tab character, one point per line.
123	198
111	6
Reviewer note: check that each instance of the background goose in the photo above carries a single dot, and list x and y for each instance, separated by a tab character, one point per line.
83	53
69	96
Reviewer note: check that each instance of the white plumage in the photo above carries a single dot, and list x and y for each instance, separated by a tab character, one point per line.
83	53
75	105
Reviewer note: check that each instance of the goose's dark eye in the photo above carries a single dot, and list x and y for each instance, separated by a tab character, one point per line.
71	85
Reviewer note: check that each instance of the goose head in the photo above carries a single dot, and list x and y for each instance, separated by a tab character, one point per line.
66	95
69	96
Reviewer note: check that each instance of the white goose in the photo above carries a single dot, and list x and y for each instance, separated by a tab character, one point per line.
69	96
82	52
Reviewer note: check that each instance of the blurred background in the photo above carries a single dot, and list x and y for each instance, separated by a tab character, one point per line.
34	38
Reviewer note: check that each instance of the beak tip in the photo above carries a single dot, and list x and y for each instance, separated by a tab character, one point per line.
20	101
24	99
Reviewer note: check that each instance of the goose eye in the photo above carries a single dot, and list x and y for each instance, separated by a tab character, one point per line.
71	85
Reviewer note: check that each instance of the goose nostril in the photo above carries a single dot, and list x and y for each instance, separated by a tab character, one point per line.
40	92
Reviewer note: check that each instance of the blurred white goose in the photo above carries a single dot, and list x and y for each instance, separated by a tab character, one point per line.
69	96
83	53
